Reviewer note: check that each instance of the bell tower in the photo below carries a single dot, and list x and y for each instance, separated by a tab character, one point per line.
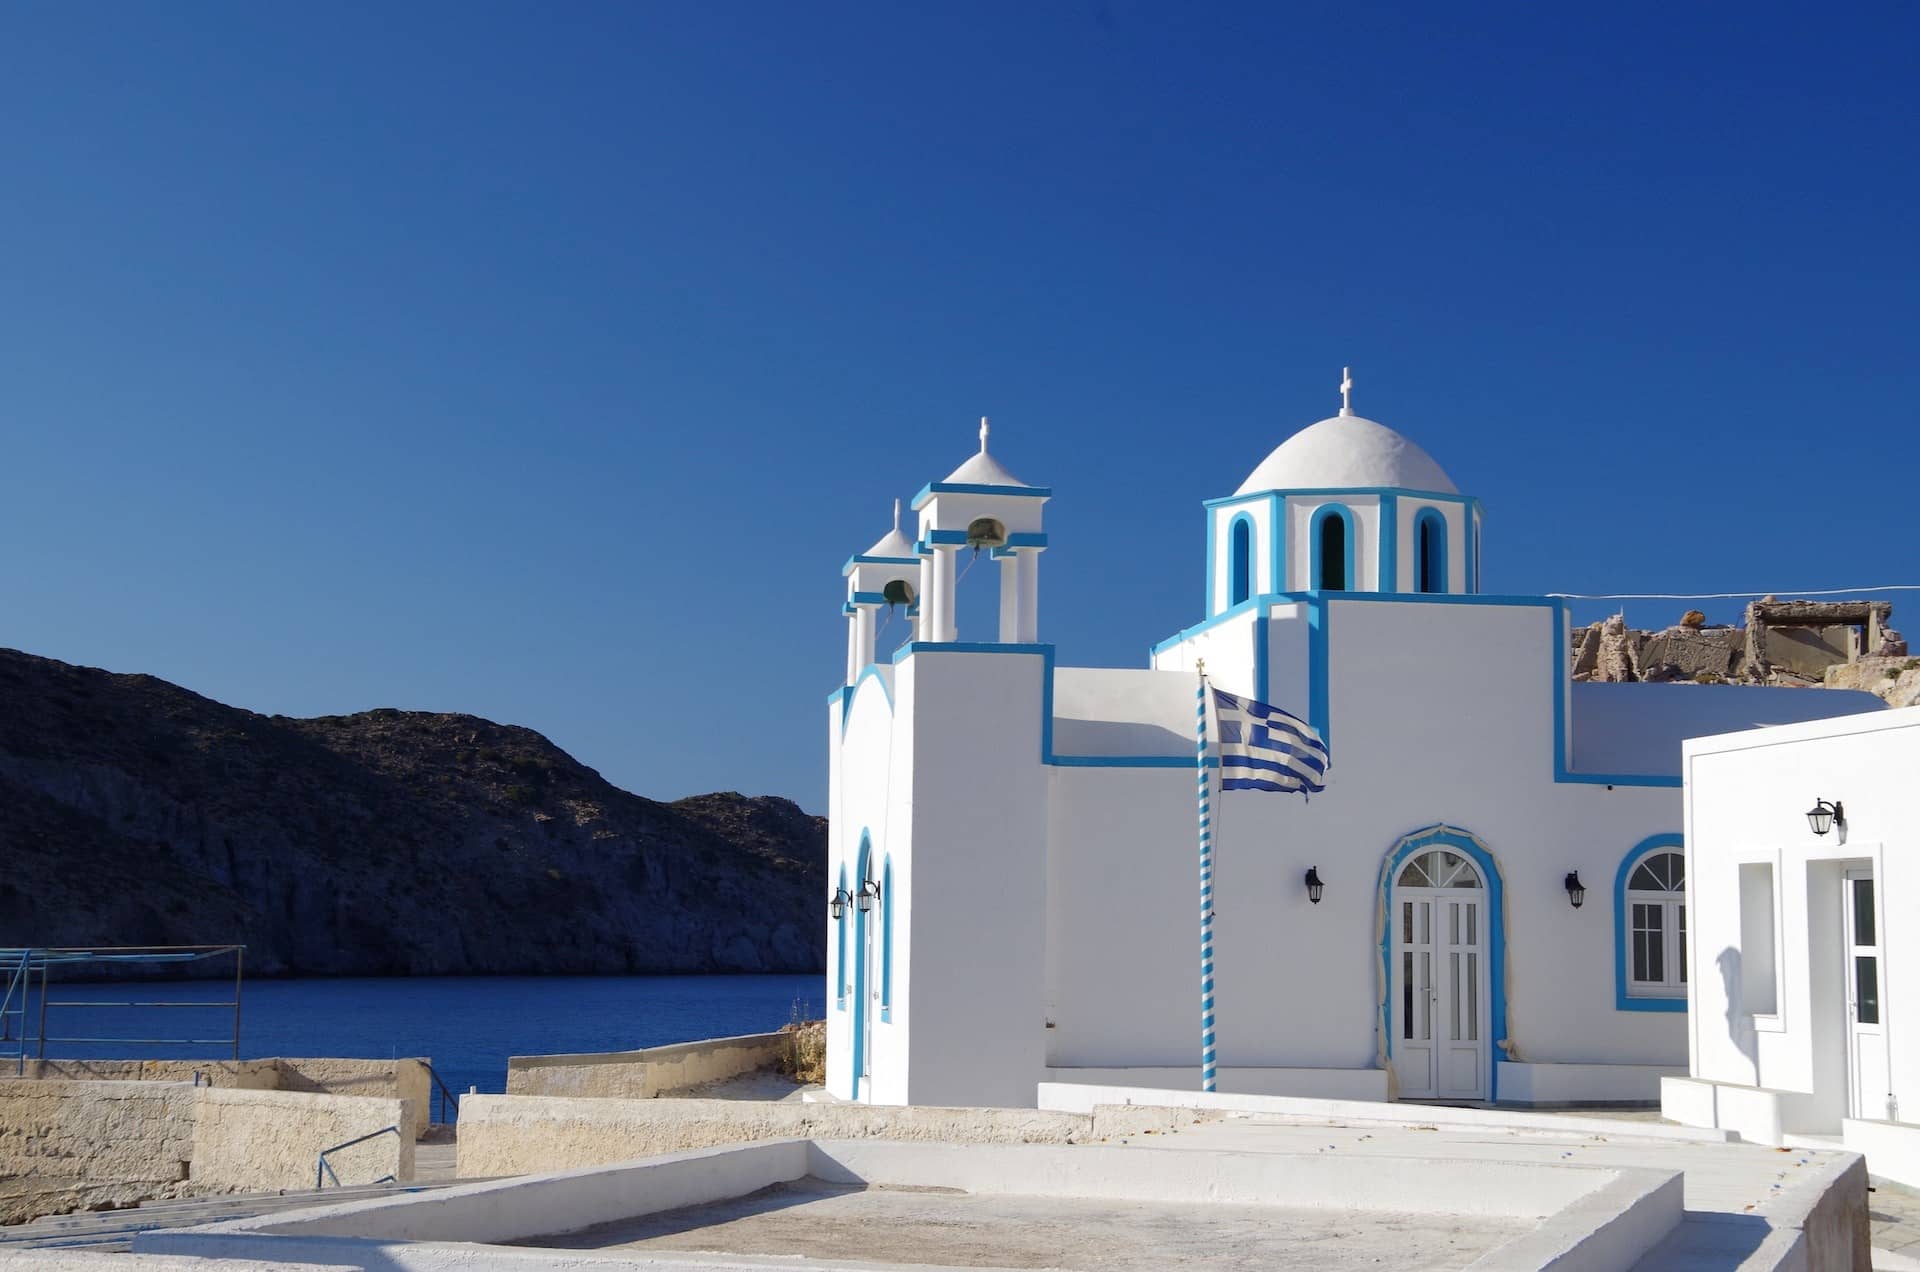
981	507
886	574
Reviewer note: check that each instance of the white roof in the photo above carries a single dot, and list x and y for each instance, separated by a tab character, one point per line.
891	544
1343	452
983	470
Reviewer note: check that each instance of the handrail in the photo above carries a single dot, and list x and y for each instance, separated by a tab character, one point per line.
447	1096
323	1169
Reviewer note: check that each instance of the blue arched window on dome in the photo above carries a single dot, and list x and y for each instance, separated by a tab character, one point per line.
1430	551
1333	549
1240	560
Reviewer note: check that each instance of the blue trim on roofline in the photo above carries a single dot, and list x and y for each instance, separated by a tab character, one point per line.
1206	623
1291	492
958	539
1212	561
844	695
1622	1001
933	488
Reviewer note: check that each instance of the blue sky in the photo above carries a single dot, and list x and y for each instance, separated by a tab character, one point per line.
546	362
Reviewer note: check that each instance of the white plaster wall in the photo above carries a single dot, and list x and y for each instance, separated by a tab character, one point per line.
977	864
1227	648
1747	798
1106	711
1366	547
1477	754
1407	511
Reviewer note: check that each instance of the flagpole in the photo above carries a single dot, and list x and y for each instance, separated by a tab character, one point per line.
1204	792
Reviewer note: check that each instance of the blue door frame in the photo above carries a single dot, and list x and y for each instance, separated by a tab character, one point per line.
860	960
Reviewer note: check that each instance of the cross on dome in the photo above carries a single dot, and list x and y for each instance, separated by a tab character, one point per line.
1346	391
983	434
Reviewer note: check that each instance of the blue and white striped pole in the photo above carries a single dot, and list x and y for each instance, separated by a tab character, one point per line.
1204	790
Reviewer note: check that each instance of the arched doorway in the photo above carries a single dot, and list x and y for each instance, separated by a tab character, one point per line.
1438	974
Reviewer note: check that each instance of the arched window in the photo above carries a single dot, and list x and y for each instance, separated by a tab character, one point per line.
1654	914
1438	868
840	948
886	937
1332	549
1430	551
1240	560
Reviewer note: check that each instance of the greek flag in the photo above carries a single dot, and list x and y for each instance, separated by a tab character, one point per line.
1262	748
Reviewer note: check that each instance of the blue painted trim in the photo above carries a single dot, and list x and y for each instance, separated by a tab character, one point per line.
1240	545
1290	492
1319	693
1389	580
1276	543
1468	844
1121	761
1622	1001
1213	561
1473	550
860	920
869	598
886	938
933	488
958	539
846	695
840	949
1316	569
1434	519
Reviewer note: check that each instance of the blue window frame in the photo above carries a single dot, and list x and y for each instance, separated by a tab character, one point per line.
1430	551
886	939
1650	927
1240	560
1333	549
840	949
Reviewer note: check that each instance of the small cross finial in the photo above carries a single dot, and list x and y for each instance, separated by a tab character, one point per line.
1346	390
896	514
983	434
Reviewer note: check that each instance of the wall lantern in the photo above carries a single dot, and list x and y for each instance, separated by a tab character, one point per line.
869	891
1576	891
837	905
1314	886
1823	817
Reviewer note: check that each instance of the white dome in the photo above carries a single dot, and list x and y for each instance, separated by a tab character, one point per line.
1343	452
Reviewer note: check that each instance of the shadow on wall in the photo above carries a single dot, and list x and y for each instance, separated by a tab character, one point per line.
1739	1023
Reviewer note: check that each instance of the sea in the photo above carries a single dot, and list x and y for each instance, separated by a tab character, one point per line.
466	1025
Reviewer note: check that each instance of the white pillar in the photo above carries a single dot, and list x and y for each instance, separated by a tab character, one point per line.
945	629
1029	630
863	636
1010	598
853	647
928	627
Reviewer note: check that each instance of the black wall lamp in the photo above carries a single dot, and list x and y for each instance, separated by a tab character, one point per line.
837	904
1576	891
1823	817
869	892
1314	886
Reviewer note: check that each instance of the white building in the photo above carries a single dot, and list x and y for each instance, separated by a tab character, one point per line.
1024	832
1805	1025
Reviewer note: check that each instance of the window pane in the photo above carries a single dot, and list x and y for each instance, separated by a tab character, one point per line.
1454	996
1863	912
1866	989
1682	911
1473	997
1406	996
1644	880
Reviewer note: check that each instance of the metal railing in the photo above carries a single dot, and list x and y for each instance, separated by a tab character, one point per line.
323	1169
20	966
445	1094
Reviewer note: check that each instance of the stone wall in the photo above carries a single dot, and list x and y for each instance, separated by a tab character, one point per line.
68	1144
641	1075
248	1141
76	1144
517	1135
253	1075
1784	643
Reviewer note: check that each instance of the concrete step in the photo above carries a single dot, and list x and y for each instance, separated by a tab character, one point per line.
115	1229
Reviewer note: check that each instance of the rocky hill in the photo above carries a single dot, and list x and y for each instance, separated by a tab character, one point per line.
133	811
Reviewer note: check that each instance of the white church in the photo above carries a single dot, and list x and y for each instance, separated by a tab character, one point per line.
1498	913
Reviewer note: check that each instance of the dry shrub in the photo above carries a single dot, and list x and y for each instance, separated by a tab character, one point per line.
804	1057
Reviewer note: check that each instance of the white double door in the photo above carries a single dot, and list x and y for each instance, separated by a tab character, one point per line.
1440	1008
1867	1077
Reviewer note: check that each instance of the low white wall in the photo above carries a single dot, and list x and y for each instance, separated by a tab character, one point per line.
1331	1084
643	1074
1892	1149
1550	1085
524	1134
1069	1098
509	1209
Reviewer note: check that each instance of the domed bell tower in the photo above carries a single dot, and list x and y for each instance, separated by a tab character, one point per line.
981	507
885	575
